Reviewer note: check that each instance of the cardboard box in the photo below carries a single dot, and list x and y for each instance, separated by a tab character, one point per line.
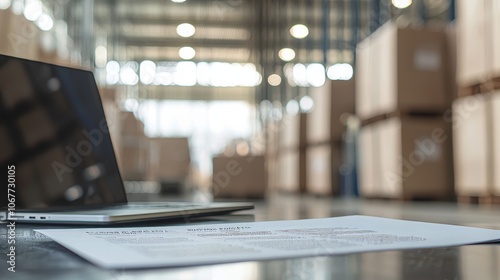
288	171
323	163
496	38
21	36
495	101
365	90
470	143
473	34
134	158
170	159
408	71
411	159
331	102
130	124
239	177
290	135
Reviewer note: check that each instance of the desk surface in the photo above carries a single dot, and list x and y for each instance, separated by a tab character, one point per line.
41	258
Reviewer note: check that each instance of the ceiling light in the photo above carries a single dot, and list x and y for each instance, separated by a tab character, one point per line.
299	31
340	71
178	1
316	74
292	107
101	56
185	30
274	80
45	22
187	53
33	10
401	4
5	4
286	54
306	104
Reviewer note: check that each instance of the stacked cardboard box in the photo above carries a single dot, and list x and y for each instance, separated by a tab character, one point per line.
403	91
170	159
332	102
478	45
20	36
476	128
239	177
288	164
134	149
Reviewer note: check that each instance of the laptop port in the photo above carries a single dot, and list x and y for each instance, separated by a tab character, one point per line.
43	218
32	218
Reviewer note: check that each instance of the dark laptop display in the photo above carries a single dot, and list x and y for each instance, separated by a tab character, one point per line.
54	134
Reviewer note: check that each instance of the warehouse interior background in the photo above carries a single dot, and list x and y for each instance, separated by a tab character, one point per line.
243	98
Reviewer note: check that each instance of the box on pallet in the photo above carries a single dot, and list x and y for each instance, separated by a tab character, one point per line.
407	158
403	69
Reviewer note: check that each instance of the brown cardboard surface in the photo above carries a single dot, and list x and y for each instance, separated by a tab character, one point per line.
130	124
134	158
170	159
404	69
472	36
289	133
495	27
239	177
495	100
364	76
323	163
470	145
406	158
21	37
331	101
288	171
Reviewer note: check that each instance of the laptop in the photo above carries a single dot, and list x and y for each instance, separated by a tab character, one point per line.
56	157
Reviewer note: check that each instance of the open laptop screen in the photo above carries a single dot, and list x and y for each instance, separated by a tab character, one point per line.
54	139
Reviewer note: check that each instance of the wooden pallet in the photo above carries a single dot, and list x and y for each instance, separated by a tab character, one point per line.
478	199
485	86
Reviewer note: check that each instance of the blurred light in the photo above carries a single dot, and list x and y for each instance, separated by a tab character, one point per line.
33	9
187	53
306	104
178	1
286	54
401	4
147	72
131	105
101	56
185	74
203	74
316	74
18	7
300	75
112	72
274	80
5	4
299	31
185	30
242	149
277	111
45	22
340	71
292	107
128	76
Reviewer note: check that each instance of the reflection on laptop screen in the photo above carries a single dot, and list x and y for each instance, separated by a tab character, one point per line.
53	132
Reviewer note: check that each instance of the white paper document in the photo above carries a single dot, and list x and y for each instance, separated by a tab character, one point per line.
221	243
